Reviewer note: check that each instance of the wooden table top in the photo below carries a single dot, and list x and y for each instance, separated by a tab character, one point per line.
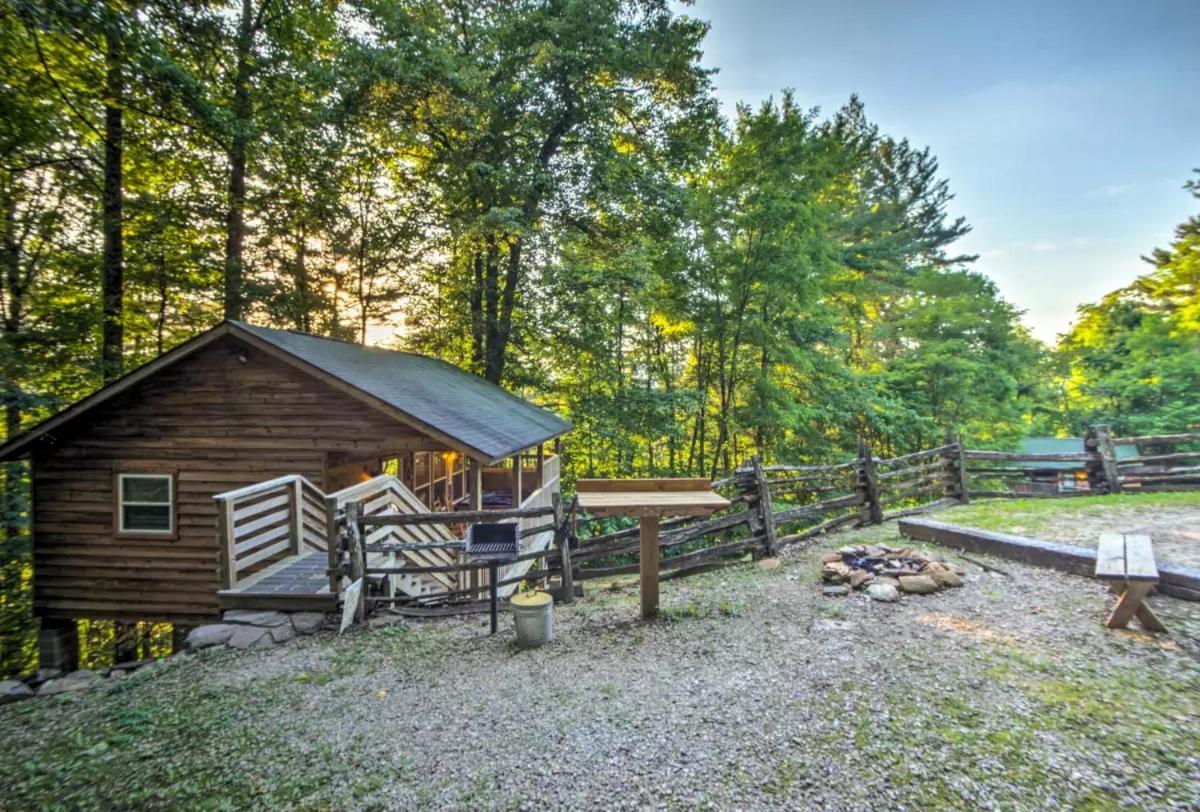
648	497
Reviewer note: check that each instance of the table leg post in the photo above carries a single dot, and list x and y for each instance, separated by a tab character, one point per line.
493	571
649	566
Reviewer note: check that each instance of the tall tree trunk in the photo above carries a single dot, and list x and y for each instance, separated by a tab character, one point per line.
113	272
235	225
14	292
160	323
303	292
476	297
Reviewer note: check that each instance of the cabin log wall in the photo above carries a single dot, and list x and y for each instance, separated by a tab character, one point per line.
218	423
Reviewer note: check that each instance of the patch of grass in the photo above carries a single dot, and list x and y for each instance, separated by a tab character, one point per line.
1035	515
833	608
706	605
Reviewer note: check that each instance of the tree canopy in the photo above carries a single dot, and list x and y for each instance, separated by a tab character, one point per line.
546	193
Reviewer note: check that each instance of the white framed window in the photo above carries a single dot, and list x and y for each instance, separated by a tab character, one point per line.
146	504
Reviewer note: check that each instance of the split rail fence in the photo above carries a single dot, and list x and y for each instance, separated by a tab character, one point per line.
771	507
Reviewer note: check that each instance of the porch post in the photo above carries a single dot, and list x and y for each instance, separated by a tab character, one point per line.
476	471
517	489
58	644
469	579
541	465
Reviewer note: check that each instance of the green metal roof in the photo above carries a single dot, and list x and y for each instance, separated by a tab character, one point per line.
1064	445
474	411
471	413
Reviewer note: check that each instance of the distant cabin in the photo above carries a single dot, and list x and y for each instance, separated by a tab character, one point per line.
124	521
1053	476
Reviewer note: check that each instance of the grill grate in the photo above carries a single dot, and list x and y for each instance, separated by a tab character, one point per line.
493	541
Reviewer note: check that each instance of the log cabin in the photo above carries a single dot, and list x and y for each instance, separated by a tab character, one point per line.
129	484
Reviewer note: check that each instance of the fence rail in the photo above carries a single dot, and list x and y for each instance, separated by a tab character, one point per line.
773	506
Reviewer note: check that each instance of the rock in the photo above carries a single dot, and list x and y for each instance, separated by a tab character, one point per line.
308	622
887	593
132	665
947	578
839	591
250	618
830	558
824	625
858	578
75	681
887	579
919	584
281	634
117	674
768	564
934	566
214	634
13	690
42	675
250	637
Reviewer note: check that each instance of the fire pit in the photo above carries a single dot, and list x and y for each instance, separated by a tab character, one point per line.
885	572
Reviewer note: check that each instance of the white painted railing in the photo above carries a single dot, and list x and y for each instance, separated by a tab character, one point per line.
263	523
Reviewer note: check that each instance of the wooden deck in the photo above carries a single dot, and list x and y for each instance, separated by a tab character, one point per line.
296	583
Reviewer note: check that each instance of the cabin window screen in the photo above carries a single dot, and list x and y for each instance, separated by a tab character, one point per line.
145	503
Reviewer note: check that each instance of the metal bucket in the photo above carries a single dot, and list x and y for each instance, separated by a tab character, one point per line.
533	615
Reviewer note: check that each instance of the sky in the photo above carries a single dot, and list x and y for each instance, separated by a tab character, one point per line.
1066	128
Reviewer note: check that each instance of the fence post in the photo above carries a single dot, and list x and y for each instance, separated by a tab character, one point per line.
563	539
766	519
869	483
358	562
1102	438
296	517
964	493
225	534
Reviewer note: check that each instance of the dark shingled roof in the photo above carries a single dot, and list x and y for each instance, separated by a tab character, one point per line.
482	419
468	408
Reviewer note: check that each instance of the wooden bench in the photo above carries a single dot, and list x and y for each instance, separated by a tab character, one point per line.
1127	563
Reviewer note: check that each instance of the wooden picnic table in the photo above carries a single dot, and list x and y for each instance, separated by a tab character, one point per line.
649	500
1126	561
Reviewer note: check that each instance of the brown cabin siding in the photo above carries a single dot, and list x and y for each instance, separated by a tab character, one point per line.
219	424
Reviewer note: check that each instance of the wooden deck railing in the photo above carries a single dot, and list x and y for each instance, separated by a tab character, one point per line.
385	494
260	524
541	522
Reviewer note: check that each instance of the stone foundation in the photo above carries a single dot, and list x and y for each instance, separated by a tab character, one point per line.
248	629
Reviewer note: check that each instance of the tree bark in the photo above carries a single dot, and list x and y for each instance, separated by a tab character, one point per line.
235	225
14	302
113	270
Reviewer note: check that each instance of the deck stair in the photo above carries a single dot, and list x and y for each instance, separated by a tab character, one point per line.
278	543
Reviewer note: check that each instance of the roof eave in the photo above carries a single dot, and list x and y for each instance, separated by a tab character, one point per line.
566	427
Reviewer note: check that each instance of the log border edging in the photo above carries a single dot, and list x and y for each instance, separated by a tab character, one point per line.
1176	580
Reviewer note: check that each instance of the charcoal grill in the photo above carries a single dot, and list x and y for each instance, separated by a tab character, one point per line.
495	543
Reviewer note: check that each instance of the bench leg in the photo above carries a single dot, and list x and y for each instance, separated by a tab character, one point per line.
1143	613
1127	604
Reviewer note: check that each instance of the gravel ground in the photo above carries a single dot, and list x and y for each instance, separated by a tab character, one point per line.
751	691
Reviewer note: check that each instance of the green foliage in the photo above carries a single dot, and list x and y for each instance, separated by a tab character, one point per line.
1133	359
546	193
